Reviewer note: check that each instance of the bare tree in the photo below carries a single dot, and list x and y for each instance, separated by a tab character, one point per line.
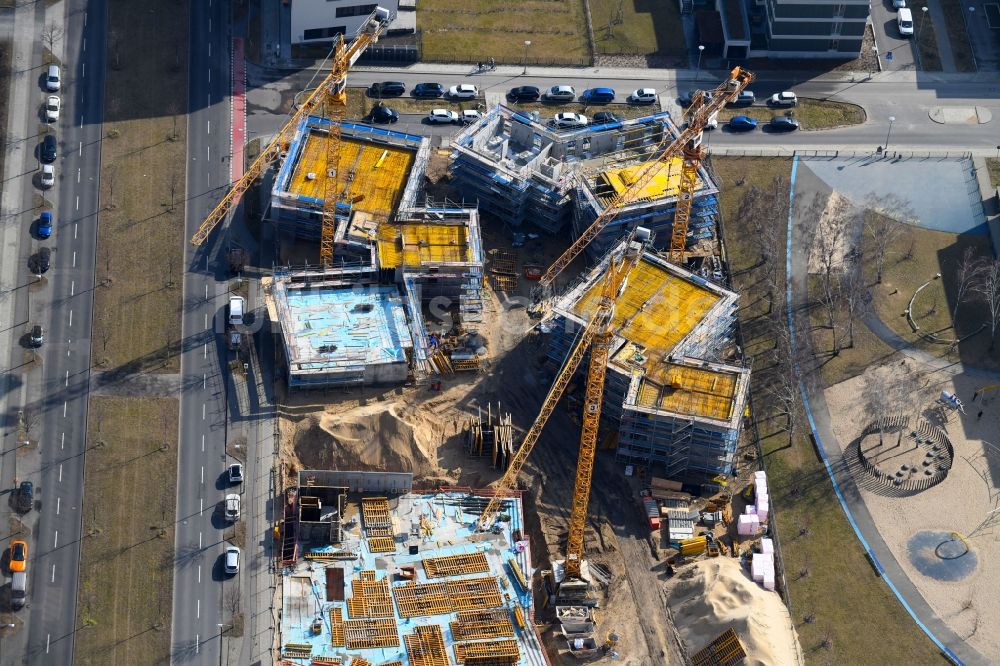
883	231
854	294
110	179
987	285
52	34
233	599
829	252
966	276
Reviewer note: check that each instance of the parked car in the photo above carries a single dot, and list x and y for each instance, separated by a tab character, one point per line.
523	94
560	94
904	21
235	473
386	89
49	150
569	120
26	491
48	178
380	113
44	228
442	116
642	96
463	91
232	510
742	123
471	116
232	560
712	122
786	98
53	79
36	337
52	106
898	4
745	98
18	556
602	117
427	90
687	98
783	124
599	95
41	261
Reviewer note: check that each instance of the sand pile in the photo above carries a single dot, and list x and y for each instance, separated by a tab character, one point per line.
374	437
714	595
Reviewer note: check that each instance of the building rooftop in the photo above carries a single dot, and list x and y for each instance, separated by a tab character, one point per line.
666	183
327	328
691	390
414	246
428	590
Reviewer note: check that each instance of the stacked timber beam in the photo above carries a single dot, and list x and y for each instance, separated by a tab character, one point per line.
491	433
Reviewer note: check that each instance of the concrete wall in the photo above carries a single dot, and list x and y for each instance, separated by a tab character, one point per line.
357	481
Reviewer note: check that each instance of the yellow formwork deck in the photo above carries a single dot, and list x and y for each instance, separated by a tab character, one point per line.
680	389
663	184
656	310
416	245
380	173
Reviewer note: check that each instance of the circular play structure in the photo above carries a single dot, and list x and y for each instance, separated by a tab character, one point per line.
904	458
944	556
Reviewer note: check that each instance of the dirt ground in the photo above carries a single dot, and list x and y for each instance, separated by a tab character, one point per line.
422	431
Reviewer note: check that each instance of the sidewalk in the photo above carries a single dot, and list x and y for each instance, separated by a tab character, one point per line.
943	41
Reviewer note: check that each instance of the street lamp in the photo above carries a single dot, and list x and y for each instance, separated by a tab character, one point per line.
697	72
527	43
923	19
892	119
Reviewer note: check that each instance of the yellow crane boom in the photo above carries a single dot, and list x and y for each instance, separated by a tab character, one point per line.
334	85
722	95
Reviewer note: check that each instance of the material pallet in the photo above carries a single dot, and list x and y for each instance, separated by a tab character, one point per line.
381	544
454	595
296	650
371	633
360	661
725	650
456	565
371	598
336	627
474	593
477	625
375	512
505	651
425	647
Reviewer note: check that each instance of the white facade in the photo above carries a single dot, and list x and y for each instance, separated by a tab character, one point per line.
318	21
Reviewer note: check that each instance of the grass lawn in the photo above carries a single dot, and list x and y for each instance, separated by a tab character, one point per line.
993	164
812	114
823	562
474	30
646	27
930	60
126	573
140	239
961	48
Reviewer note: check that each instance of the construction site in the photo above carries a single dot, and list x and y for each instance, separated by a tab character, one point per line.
435	377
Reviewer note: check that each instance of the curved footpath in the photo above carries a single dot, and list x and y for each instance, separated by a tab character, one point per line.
951	644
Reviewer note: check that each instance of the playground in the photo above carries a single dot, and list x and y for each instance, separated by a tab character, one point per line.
925	461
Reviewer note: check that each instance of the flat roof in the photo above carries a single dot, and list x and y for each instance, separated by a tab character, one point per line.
464	596
657	308
330	327
683	389
413	245
374	175
666	183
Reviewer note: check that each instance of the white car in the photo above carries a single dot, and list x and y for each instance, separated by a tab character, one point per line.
786	98
464	91
48	176
236	473
471	116
232	512
569	120
442	116
642	96
52	106
232	560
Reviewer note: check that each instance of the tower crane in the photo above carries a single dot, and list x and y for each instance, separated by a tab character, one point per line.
687	143
331	93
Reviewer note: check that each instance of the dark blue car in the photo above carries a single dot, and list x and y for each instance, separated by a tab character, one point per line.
45	225
428	90
598	95
742	123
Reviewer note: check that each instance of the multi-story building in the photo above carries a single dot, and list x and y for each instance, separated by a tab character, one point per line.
319	21
815	28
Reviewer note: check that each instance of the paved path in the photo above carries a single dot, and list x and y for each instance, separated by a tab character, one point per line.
800	237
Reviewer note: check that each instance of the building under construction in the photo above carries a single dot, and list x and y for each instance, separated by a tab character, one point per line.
363	319
676	407
522	170
374	572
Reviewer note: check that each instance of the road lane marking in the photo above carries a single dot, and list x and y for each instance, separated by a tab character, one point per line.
62	443
67	379
48	637
206	321
209	123
204	380
205	350
78	175
202	411
70	317
81	121
199	540
81	149
206	291
197	609
210	99
209	74
197	644
201	510
199	573
53	580
210	49
210	24
74	258
202	443
78	202
202	475
55	541
75	227
58	501
64	409
84	44
83	71
208	152
72	288
208	179
60	472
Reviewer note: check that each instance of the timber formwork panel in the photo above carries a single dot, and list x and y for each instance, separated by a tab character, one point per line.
423	599
381	544
371	598
393	663
331	661
296	650
474	593
375	512
456	565
371	633
425	647
503	652
477	625
725	650
336	627
360	661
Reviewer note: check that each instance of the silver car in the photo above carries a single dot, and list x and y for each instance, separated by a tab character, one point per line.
560	94
232	560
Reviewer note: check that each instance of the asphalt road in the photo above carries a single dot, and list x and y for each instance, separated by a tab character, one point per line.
908	100
66	378
203	414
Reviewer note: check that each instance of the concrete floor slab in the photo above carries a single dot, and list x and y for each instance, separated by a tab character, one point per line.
943	194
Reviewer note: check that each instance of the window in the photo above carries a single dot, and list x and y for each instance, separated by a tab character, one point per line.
358	10
834	45
324	33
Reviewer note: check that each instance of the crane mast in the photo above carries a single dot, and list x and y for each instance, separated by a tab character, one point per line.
332	89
